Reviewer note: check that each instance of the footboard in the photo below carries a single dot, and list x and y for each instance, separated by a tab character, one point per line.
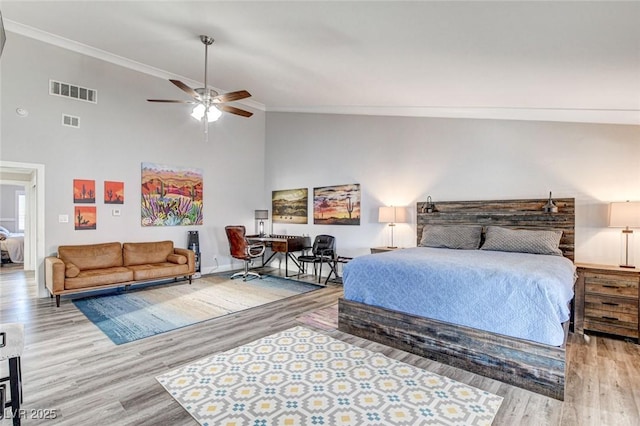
529	365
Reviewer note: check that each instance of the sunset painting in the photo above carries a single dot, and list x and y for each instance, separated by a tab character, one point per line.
290	206
113	192
84	217
337	205
171	196
84	191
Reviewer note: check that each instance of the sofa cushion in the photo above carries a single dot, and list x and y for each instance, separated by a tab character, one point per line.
158	270
177	258
71	270
92	256
98	277
144	253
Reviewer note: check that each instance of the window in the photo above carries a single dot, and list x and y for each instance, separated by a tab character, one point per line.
21	210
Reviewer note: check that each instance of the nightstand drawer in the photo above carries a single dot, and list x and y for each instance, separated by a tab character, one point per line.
595	302
626	319
615	285
611	327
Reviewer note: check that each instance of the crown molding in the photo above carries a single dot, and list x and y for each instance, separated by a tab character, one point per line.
571	115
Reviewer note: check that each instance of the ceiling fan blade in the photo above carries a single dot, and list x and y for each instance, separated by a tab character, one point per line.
231	96
171	101
186	89
234	110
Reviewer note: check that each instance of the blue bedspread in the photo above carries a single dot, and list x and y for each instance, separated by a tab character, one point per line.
514	294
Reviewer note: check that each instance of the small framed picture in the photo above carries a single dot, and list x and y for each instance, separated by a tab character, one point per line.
84	191
84	217
113	192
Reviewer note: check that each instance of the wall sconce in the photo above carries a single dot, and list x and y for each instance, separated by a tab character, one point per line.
261	215
550	207
392	215
625	215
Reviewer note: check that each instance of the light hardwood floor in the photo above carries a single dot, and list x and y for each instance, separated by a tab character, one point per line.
71	367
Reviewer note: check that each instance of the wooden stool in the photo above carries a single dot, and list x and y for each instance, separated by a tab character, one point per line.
11	346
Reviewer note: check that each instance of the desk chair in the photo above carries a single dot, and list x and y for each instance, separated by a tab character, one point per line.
323	251
240	248
11	346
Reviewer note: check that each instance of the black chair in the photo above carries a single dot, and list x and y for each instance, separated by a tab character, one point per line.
11	347
323	251
241	248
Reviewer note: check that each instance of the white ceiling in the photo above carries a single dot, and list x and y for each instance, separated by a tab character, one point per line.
564	61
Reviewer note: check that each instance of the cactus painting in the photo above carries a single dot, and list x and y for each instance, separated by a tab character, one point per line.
171	196
84	217
337	205
84	191
113	192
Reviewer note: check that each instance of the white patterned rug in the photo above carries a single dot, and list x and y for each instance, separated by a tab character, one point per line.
301	377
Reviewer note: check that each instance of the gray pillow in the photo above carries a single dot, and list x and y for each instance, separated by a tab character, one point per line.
454	236
522	240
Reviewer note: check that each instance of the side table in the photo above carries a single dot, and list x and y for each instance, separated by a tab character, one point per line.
607	300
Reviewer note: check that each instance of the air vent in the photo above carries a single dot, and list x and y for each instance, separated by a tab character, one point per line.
66	90
70	121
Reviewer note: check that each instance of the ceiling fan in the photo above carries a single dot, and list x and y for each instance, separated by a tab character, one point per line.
209	104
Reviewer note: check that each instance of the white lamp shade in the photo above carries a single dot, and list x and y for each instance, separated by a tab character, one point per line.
392	215
625	214
262	214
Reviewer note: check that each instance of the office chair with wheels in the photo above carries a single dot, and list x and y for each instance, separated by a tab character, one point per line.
323	251
240	248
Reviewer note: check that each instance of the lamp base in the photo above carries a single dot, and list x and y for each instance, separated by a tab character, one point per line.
395	247
628	266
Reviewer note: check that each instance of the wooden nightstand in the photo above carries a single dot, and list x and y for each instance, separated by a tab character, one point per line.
375	250
607	300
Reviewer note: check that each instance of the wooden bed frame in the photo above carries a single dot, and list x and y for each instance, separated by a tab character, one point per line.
533	366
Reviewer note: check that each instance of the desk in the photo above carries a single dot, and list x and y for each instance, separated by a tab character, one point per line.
286	244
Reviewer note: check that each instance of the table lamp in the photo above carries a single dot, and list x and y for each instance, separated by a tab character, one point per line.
625	215
392	215
261	215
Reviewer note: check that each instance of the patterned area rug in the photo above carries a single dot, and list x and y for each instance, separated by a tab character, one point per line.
137	313
300	377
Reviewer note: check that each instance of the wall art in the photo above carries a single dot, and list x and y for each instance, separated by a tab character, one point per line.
84	191
171	196
113	192
337	205
85	217
290	206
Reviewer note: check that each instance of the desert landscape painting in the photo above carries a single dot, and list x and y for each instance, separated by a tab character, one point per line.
290	206
337	205
171	196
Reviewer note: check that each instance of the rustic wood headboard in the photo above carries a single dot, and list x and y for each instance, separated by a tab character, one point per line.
522	214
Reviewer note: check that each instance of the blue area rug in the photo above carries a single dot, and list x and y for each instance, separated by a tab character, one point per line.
138	313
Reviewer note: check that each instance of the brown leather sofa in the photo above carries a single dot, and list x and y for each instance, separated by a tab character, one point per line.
97	266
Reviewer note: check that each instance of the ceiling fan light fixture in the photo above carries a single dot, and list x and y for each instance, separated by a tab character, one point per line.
213	113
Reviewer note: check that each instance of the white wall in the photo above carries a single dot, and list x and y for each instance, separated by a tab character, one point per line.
400	160
115	136
8	206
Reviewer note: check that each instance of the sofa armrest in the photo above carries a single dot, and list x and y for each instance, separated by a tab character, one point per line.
191	258
54	274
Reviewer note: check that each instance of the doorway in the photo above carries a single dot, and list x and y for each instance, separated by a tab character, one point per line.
31	177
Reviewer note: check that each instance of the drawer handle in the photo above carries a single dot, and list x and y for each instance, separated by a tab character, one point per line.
609	286
610	303
610	318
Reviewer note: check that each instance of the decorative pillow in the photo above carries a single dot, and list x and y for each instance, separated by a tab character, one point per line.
522	240
4	230
451	236
177	258
71	270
